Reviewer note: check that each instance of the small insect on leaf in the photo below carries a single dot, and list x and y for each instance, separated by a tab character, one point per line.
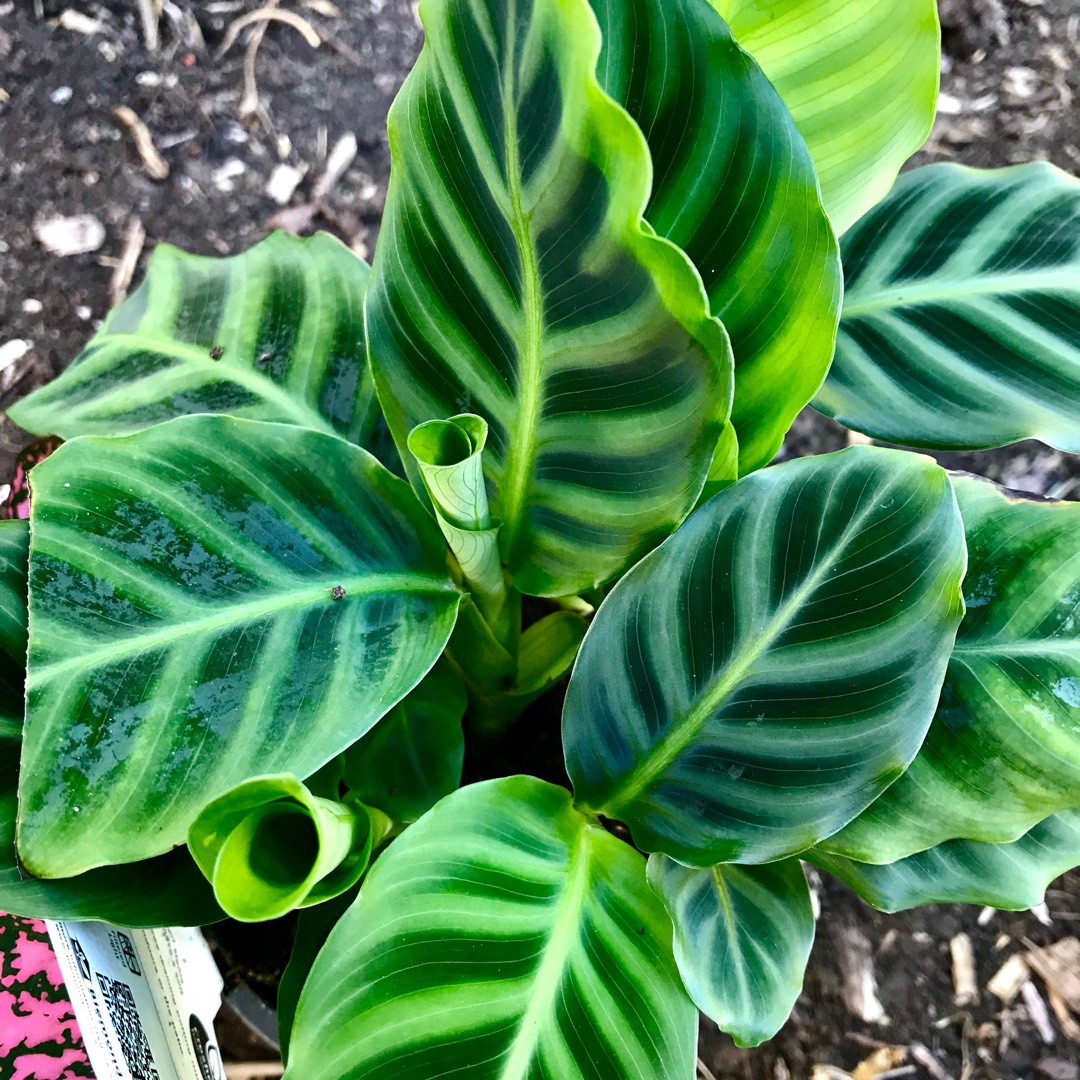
338	592
217	352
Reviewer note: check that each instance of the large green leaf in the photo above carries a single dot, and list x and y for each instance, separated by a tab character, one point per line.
14	552
1012	876
753	684
1003	751
860	78
166	891
961	324
742	939
211	599
515	278
412	758
275	333
734	186
504	936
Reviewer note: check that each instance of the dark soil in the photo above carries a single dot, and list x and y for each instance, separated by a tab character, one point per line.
1011	73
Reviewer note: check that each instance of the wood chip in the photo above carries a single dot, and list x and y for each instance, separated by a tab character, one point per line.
156	166
829	1072
78	23
64	236
269	14
1058	965
922	1055
859	986
1064	1016
1005	985
1036	1008
341	157
882	1060
283	182
965	984
13	351
134	239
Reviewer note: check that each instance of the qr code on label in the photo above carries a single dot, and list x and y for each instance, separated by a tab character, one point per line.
129	1030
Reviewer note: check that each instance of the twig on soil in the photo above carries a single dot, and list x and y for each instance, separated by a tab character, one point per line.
149	14
341	157
1036	1008
134	239
859	987
249	103
927	1060
704	1072
269	14
156	166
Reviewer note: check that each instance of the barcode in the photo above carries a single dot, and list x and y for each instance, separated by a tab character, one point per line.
129	1030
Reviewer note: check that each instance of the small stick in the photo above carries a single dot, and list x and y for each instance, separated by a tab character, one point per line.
249	103
134	240
156	166
149	16
927	1060
1036	1008
704	1072
269	14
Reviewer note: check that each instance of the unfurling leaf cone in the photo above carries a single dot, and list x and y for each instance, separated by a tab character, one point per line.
270	846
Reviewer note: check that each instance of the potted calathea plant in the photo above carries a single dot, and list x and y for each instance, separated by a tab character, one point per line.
318	529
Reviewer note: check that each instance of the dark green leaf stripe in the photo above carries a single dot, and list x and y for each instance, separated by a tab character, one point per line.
413	757
757	681
860	78
1004	749
742	939
502	937
734	186
961	323
1011	876
184	632
166	891
14	553
275	333
515	279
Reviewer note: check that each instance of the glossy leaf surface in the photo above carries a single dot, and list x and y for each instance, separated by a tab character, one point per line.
1011	876
515	278
14	553
739	696
211	599
275	333
413	756
961	324
166	891
860	78
742	939
1003	751
734	186
502	937
270	846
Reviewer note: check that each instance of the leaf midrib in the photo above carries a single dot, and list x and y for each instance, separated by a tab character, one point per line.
981	285
221	617
521	451
246	376
683	731
565	934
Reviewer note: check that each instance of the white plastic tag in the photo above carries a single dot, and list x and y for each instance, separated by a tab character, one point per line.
145	1000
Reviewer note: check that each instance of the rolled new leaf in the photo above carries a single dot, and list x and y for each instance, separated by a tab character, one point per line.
834	62
742	939
14	554
270	846
1003	751
739	695
450	456
961	320
1012	876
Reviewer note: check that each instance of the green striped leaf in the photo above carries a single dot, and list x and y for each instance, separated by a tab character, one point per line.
413	756
504	936
860	78
166	891
757	681
515	278
1003	751
275	333
961	323
14	553
734	186
1010	876
742	939
211	599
